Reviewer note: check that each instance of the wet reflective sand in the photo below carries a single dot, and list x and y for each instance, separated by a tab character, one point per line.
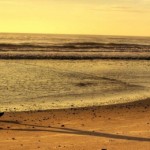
47	84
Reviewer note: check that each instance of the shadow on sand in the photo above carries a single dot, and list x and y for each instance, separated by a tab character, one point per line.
37	128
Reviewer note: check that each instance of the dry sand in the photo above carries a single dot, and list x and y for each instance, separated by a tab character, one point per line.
116	127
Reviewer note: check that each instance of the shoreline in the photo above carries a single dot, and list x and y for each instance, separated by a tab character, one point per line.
139	103
73	106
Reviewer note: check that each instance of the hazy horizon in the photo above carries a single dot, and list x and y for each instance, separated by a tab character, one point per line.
74	34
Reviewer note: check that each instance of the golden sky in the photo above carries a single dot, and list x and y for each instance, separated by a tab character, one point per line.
102	17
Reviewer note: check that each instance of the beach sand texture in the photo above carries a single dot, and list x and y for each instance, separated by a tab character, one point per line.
117	127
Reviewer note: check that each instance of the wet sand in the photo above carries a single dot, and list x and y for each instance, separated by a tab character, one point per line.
48	84
113	127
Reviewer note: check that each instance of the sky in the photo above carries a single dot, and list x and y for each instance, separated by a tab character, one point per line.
97	17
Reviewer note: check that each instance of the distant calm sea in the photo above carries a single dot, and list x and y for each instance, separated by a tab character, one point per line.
39	72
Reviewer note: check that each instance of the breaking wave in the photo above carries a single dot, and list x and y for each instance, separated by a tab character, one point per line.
77	45
74	50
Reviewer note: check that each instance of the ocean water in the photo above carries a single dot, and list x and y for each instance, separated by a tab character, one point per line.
37	46
39	72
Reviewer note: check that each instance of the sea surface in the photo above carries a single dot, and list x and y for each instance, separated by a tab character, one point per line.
41	71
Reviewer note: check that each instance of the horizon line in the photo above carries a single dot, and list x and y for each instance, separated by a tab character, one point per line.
74	34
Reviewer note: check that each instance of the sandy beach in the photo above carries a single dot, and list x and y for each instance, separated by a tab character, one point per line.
74	75
113	127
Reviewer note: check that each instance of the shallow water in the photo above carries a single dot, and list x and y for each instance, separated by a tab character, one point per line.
53	84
